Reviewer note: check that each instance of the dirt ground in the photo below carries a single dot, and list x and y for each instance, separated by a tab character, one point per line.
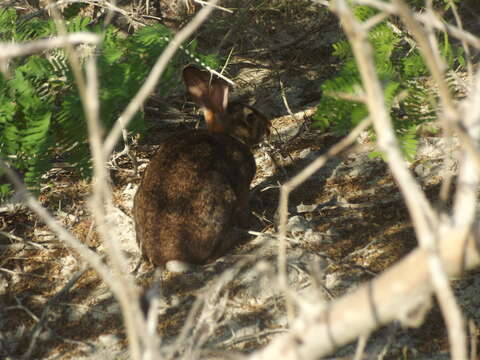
347	223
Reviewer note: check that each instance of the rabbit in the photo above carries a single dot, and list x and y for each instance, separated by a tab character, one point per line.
195	190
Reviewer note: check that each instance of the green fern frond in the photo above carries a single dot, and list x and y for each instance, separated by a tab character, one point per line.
41	115
78	24
342	50
400	70
390	92
152	35
363	13
409	143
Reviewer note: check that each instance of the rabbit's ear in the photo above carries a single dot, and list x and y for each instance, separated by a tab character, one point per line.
219	96
211	94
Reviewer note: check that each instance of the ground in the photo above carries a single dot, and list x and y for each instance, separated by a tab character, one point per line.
347	223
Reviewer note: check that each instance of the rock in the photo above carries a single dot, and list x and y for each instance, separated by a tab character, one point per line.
297	224
122	229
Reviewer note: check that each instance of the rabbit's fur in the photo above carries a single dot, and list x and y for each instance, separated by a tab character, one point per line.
195	189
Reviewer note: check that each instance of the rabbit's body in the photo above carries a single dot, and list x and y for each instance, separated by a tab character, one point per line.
195	190
191	196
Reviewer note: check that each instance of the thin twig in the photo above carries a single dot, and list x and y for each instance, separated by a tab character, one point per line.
474	340
362	342
18	273
41	322
204	3
111	7
465	45
253	337
455	31
10	50
285	101
99	203
19	239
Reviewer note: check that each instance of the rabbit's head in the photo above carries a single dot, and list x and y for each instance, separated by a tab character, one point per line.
237	119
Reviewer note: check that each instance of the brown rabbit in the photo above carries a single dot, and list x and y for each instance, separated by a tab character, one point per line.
195	189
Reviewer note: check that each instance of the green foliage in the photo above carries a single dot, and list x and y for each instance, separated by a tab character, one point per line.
5	191
41	115
400	70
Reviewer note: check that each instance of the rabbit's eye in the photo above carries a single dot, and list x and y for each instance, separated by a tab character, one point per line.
250	118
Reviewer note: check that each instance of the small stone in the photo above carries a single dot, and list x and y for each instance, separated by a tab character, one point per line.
297	224
177	266
302	208
108	340
313	237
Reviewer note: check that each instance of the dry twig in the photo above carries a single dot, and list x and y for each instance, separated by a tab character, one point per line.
9	50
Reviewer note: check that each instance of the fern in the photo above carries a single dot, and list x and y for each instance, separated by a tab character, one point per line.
24	127
397	71
409	142
41	115
5	190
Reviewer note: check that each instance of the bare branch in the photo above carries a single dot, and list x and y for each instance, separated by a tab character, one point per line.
431	18
423	217
434	63
10	50
422	213
399	293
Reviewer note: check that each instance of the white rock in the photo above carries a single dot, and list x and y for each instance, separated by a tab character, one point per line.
69	265
177	266
297	224
122	229
128	194
305	153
